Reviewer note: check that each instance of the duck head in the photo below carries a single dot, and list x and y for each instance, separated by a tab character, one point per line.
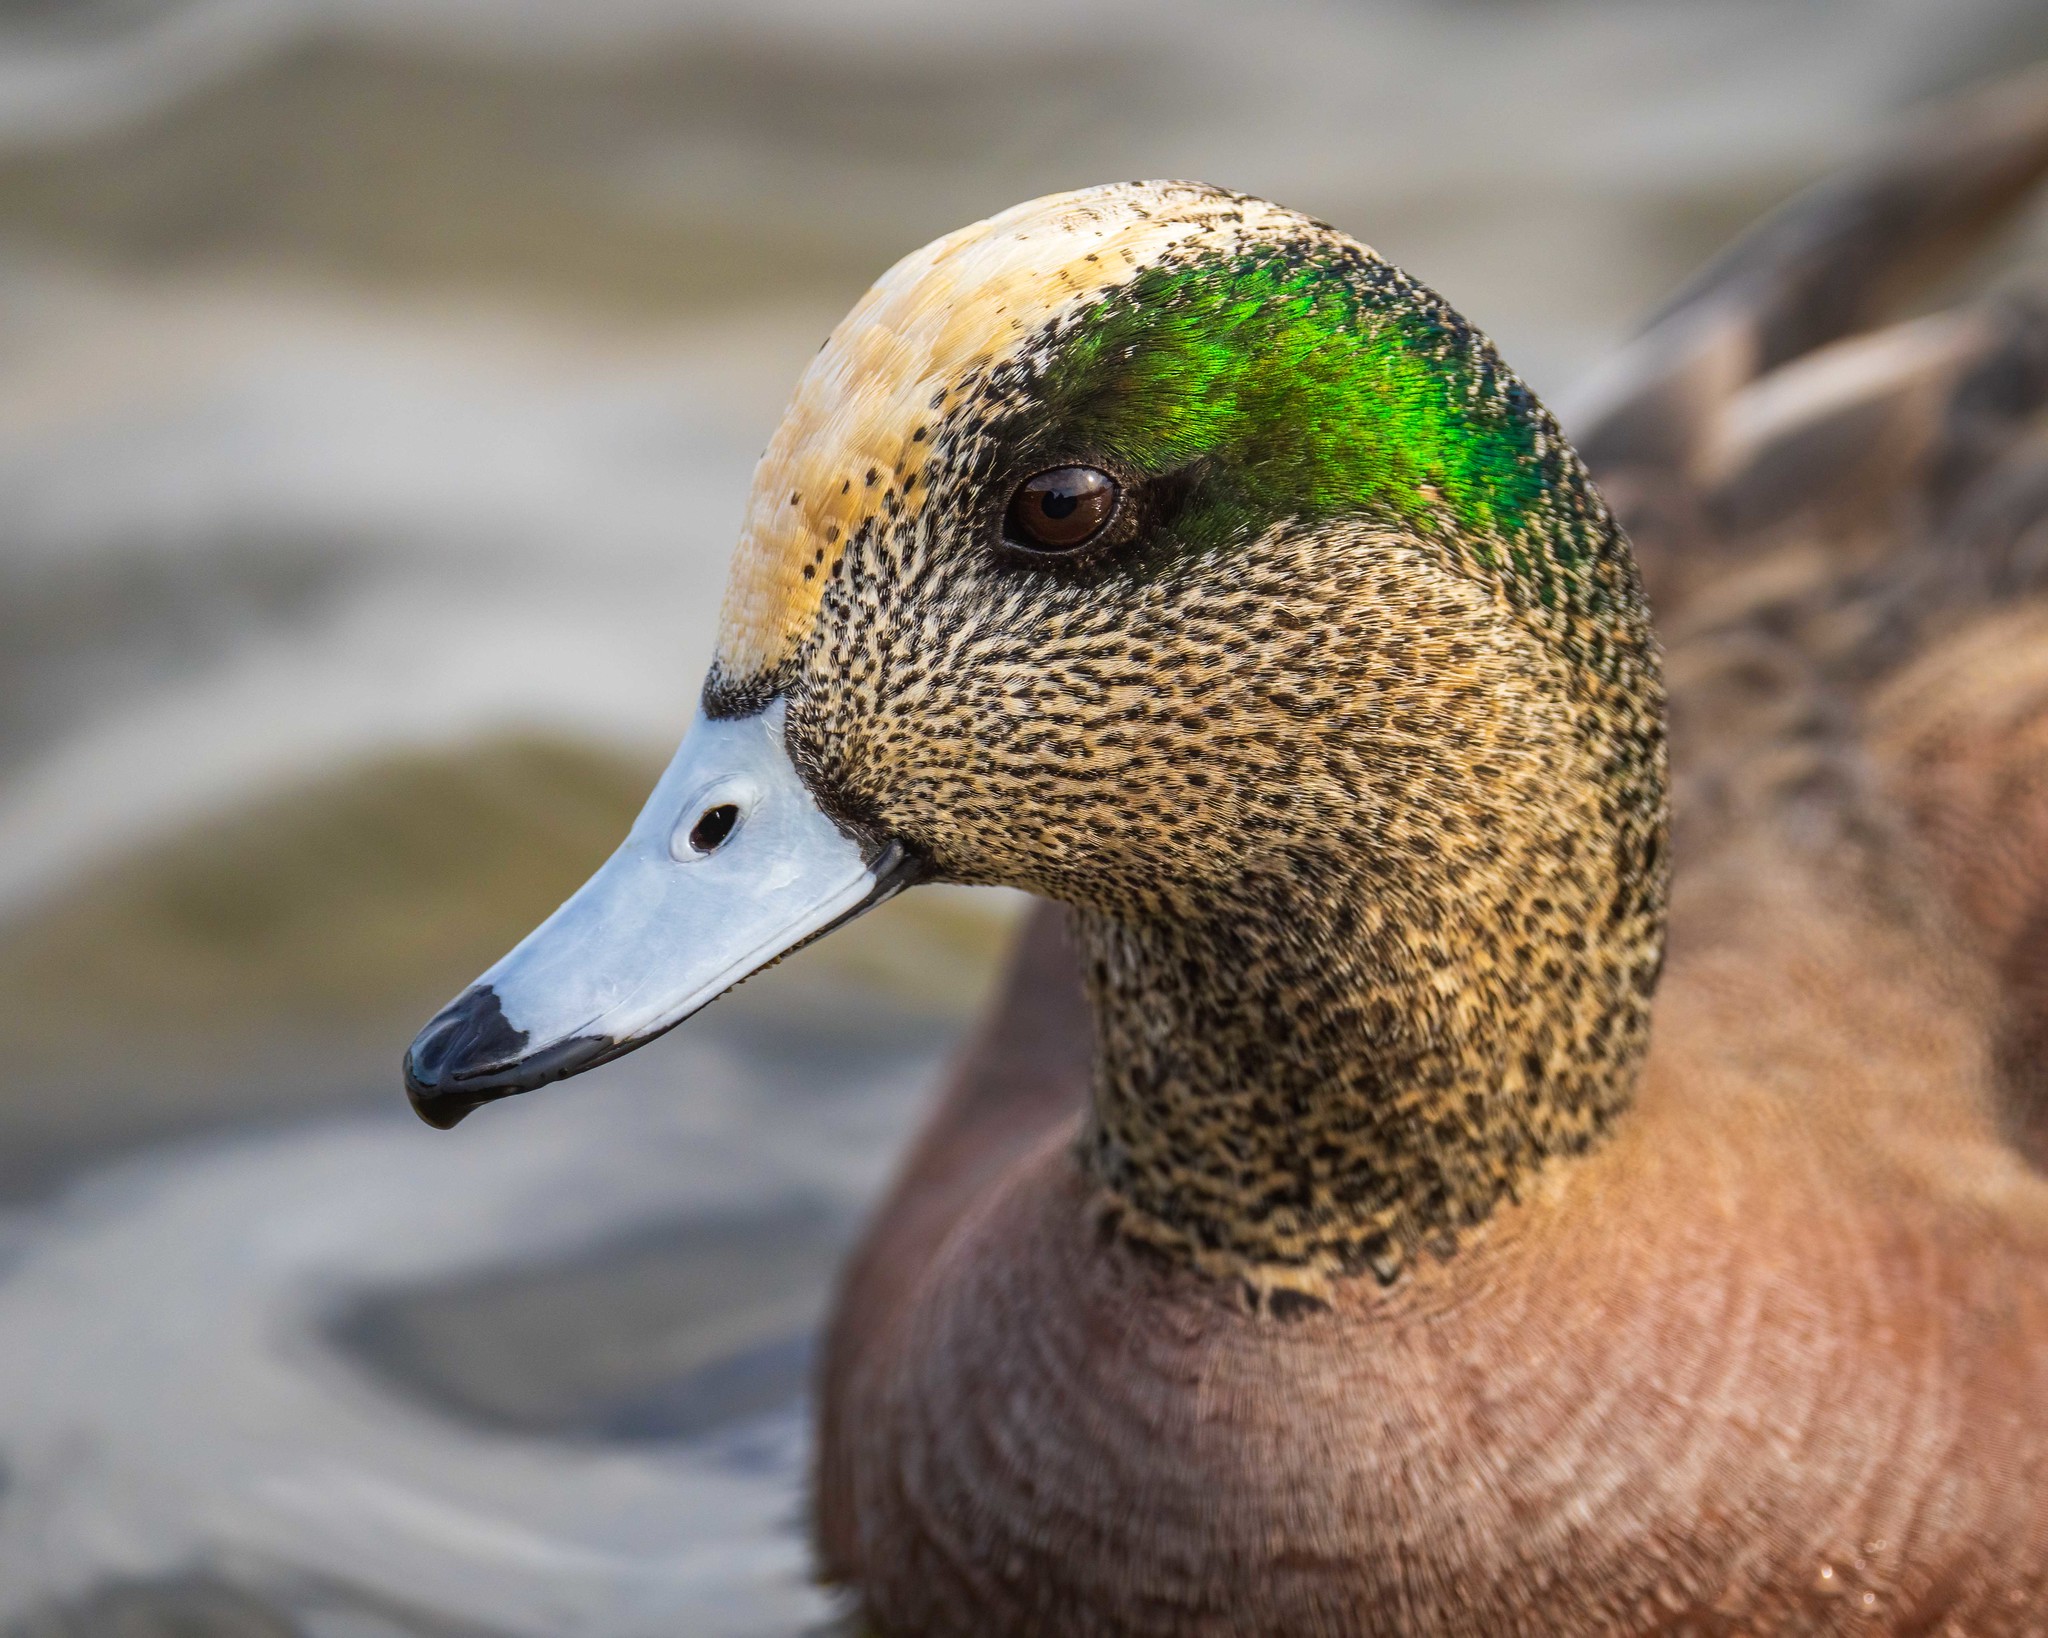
1166	553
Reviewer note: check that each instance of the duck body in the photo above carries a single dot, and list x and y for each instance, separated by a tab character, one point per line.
1684	1387
1318	1239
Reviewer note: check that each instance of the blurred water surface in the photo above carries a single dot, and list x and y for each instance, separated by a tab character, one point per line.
379	386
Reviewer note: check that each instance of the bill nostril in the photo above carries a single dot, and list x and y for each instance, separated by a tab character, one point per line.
711	815
713	826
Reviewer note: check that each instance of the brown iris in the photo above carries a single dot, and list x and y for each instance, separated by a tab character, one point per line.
1061	508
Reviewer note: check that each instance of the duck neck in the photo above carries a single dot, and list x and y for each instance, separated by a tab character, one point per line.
1348	1062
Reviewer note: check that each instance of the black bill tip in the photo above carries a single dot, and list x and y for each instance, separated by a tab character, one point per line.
470	1055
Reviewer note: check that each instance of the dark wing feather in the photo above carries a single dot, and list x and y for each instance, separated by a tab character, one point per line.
1843	517
1838	259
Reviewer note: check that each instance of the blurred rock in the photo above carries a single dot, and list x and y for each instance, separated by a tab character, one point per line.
677	1334
720	170
180	1609
203	1607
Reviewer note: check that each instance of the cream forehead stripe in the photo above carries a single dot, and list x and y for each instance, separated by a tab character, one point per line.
970	300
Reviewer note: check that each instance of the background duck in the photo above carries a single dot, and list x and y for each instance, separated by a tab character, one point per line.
1368	1266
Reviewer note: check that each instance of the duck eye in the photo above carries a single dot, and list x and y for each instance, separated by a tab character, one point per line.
1061	508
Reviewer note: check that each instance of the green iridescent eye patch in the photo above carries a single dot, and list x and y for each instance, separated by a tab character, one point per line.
1315	381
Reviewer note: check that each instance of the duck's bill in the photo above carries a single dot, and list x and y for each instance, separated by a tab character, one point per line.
731	865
